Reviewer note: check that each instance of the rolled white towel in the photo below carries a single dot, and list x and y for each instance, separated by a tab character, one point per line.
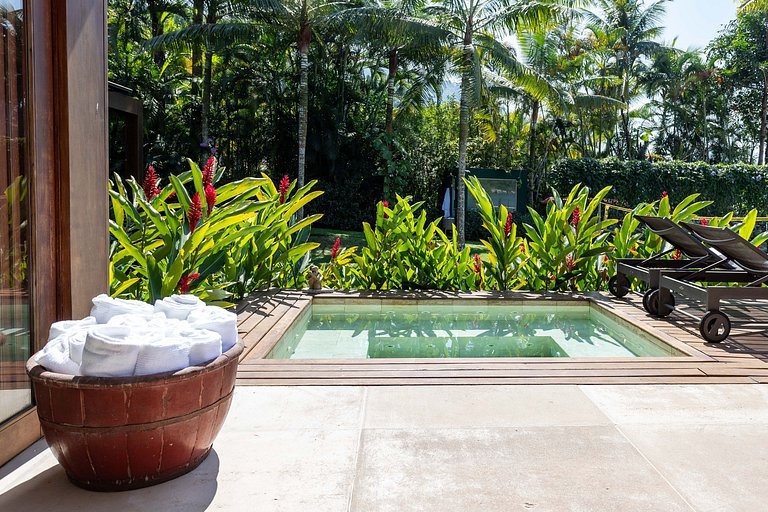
111	351
163	355
203	345
55	357
75	341
136	321
168	326
216	319
179	306
105	307
59	328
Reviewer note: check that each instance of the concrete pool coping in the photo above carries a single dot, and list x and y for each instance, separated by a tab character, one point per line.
264	319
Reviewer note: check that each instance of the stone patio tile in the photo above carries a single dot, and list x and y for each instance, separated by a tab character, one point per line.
558	469
478	407
286	408
717	468
289	471
686	404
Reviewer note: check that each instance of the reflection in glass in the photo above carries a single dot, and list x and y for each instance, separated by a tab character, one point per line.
15	393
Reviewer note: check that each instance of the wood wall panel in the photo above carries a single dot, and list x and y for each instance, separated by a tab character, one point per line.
82	90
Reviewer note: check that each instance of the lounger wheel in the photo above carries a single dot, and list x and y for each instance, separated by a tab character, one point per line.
646	301
618	285
652	303
715	327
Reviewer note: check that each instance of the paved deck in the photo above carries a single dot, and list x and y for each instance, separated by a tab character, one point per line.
741	359
454	448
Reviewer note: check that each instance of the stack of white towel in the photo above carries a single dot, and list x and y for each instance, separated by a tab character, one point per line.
123	338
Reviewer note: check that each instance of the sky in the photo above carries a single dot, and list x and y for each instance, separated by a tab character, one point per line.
696	22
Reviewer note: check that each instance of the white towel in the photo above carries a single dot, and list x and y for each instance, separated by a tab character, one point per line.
111	351
179	306
162	355
75	342
136	321
216	319
59	328
55	357
204	346
105	307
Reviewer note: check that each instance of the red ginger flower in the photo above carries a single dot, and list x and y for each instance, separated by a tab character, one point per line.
385	204
664	194
478	264
677	255
195	212
335	250
605	259
210	165
210	197
150	183
508	226
704	222
570	263
186	281
576	218
284	184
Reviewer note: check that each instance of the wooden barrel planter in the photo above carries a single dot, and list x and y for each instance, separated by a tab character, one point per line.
116	434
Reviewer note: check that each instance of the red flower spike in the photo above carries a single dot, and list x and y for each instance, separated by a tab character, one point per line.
605	259
284	184
150	183
570	263
210	197
576	217
508	226
478	264
677	255
208	170
186	281
335	250
704	222
385	204
195	212
664	194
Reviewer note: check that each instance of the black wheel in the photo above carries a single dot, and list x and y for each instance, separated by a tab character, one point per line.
715	327
618	285
662	309
647	301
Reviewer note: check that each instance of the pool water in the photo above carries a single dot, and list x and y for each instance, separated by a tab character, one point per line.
338	331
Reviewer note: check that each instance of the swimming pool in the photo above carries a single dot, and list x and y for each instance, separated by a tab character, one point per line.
464	330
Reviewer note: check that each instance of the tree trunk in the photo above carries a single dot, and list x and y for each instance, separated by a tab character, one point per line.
206	96
197	50
155	16
304	38
532	144
207	72
463	135
391	90
763	120
625	117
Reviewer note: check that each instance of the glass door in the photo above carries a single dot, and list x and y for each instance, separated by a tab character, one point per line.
15	340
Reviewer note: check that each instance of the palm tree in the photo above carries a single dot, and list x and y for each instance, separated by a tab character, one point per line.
635	28
394	27
476	28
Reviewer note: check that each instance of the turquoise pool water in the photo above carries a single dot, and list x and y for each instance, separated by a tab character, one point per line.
338	331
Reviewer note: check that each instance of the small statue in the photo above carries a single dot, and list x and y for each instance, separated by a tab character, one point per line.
314	278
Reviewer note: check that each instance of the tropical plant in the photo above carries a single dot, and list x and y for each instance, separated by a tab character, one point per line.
506	251
404	251
565	247
189	236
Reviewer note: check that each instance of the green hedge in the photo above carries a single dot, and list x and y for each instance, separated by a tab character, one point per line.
736	187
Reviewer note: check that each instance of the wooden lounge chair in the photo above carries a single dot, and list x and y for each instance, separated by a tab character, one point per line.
697	256
751	269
